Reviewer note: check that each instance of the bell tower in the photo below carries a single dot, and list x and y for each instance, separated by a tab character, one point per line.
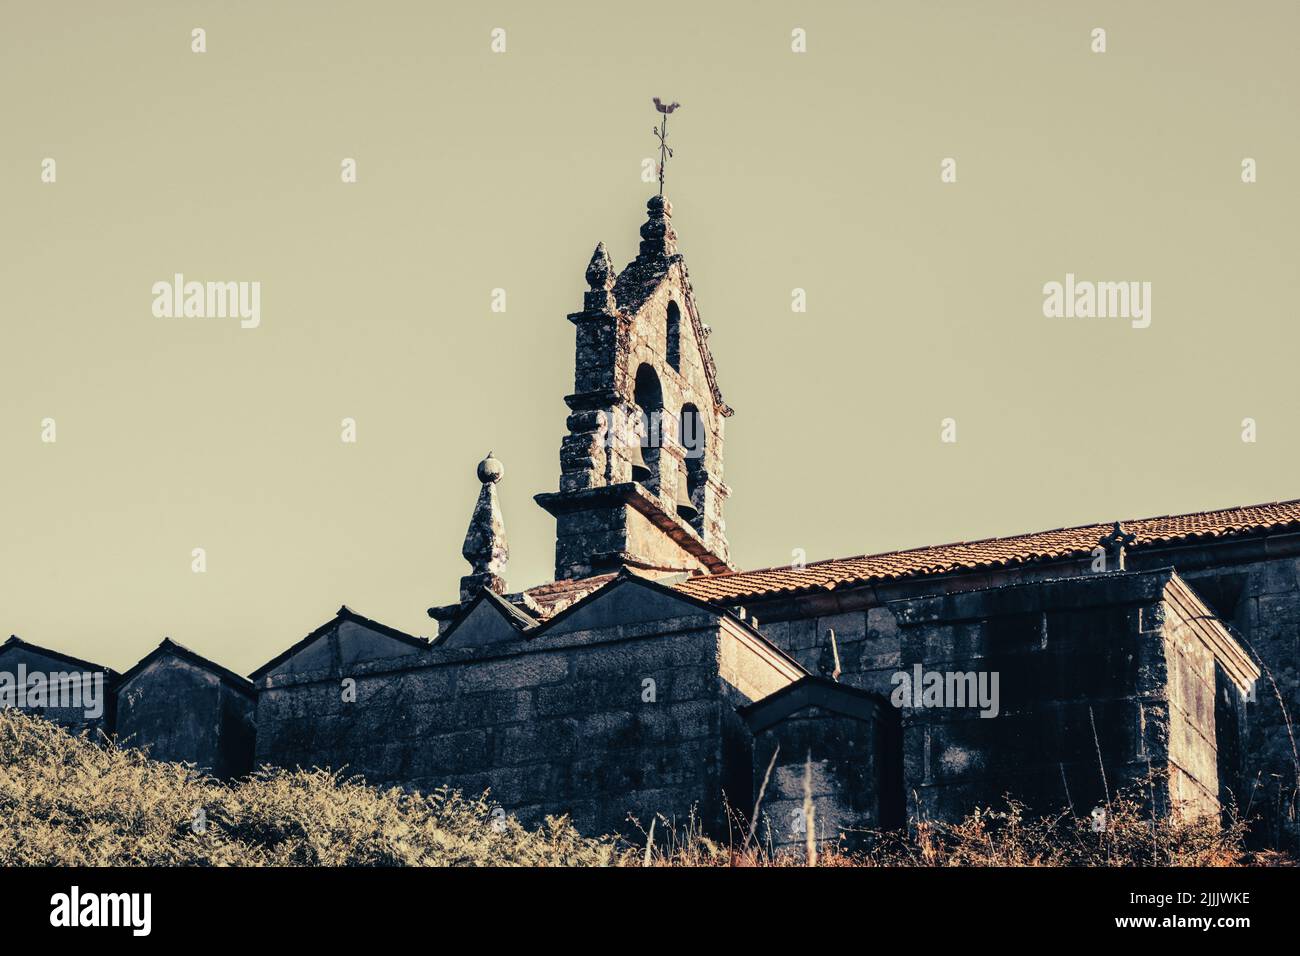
641	466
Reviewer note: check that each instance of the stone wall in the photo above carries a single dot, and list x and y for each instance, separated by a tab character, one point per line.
86	691
1260	602
1193	679
1104	651
1250	583
594	718
843	745
181	711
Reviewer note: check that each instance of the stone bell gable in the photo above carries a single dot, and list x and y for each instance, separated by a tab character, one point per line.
641	467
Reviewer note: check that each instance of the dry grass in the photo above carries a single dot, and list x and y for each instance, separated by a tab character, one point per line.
67	801
1006	837
1127	836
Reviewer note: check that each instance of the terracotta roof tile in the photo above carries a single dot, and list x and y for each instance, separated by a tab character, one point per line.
989	553
547	600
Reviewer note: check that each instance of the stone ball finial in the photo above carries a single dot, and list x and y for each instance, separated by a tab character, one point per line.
659	206
485	545
490	470
658	237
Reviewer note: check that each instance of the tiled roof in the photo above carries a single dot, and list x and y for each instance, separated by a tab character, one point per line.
547	600
989	553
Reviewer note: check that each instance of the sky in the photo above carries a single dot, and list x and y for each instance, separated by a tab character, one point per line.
477	170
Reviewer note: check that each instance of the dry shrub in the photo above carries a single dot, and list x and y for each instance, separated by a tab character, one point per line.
1128	835
67	801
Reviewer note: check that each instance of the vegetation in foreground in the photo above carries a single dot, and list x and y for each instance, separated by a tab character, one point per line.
65	800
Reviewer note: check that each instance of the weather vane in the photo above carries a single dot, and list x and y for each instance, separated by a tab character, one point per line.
665	151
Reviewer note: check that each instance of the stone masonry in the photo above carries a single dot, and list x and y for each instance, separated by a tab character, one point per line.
625	704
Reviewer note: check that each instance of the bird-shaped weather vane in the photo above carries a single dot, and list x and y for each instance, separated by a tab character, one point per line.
661	131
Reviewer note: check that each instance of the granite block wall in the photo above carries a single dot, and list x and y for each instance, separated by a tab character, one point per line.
1260	602
1110	652
78	695
844	754
599	724
182	712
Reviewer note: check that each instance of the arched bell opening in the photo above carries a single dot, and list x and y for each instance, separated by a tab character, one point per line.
649	398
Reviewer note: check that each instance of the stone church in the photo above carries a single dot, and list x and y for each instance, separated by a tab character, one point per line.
651	677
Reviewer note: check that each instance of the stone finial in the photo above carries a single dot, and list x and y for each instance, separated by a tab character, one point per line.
658	238
489	470
1115	543
600	281
485	543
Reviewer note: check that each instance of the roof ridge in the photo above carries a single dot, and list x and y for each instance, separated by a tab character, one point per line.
167	644
1004	537
508	609
344	613
1006	550
1217	511
15	641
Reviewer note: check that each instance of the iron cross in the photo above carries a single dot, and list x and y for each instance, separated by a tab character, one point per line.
665	151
